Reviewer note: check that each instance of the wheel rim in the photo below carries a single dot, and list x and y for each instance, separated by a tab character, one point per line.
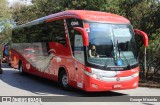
65	80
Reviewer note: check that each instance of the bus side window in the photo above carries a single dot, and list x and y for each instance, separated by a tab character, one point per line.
56	32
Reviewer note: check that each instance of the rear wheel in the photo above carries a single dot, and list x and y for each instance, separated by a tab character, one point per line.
21	68
63	80
9	64
1	71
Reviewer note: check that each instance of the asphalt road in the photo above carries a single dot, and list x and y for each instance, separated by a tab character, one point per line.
14	84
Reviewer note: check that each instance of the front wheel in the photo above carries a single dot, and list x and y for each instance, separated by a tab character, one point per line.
63	81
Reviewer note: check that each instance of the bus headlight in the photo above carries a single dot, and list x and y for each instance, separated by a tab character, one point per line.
135	75
93	75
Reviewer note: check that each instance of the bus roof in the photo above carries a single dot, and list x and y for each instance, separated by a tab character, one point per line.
95	16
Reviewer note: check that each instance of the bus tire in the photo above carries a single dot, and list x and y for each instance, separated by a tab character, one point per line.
9	64
1	71
63	80
20	68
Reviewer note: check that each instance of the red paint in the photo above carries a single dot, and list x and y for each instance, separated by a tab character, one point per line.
88	15
84	35
103	86
62	56
144	35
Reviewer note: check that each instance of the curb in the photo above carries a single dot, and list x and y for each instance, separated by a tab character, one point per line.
149	85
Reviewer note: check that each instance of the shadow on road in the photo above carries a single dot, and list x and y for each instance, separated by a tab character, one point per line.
41	86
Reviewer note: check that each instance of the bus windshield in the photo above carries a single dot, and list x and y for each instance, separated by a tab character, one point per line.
111	45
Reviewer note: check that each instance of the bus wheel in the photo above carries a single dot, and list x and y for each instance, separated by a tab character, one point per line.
1	71
21	68
63	80
0	67
9	64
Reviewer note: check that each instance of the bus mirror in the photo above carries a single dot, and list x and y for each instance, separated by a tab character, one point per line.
84	35
144	35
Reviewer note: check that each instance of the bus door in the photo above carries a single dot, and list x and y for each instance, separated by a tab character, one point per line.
78	53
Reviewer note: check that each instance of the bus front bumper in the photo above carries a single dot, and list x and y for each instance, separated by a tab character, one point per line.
92	84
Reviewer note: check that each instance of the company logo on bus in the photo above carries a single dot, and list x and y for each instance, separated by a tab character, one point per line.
118	79
74	23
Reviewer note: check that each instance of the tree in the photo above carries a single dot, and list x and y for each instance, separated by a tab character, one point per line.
4	10
143	15
5	17
42	8
4	13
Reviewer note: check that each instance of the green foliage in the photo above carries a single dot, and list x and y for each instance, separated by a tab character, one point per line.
4	10
5	16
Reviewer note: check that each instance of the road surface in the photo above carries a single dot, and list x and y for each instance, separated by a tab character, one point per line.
14	84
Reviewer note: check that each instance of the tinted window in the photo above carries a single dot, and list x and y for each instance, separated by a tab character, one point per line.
44	32
55	32
19	36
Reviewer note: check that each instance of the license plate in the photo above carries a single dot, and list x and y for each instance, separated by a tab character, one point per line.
117	86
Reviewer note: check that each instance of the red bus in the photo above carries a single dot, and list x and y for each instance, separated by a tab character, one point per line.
89	50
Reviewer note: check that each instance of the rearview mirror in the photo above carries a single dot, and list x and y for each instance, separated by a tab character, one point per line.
84	35
144	35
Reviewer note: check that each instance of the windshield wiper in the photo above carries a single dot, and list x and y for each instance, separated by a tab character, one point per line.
114	53
119	50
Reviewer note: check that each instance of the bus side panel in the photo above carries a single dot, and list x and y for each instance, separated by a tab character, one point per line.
14	60
45	65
